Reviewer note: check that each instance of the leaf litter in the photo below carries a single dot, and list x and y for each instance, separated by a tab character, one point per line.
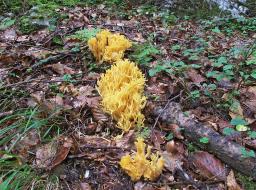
63	84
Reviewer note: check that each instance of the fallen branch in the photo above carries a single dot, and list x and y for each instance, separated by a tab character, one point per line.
226	150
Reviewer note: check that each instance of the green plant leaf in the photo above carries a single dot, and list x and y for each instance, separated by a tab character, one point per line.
247	154
176	47
216	30
220	61
238	121
6	23
253	74
195	66
227	67
228	131
241	128
152	72
169	137
252	134
195	94
204	140
212	74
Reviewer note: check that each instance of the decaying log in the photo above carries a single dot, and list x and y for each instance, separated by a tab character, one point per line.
227	151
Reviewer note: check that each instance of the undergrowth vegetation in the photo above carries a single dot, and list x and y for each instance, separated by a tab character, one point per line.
208	65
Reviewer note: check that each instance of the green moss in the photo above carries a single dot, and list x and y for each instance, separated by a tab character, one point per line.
26	25
39	16
246	182
85	34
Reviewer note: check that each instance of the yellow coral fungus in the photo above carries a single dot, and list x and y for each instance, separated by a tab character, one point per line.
121	89
140	165
108	47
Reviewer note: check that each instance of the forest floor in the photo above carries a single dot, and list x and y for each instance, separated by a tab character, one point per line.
53	132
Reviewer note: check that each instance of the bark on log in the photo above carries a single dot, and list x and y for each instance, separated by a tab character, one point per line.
227	151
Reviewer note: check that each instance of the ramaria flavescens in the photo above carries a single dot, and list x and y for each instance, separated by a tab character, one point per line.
109	47
121	89
143	163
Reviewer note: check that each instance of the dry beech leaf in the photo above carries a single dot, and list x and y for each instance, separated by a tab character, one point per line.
6	59
69	88
82	100
173	155
126	141
90	128
157	137
231	182
52	154
208	165
3	74
9	35
99	115
37	53
62	69
143	186
91	140
86	90
194	76
85	186
176	130
27	143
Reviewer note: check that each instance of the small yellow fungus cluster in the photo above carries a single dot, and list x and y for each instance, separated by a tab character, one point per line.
121	89
108	47
142	164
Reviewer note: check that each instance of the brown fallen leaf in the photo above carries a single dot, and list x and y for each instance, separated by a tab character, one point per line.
82	100
173	155
37	53
126	141
85	186
194	76
231	182
176	130
99	115
143	186
86	90
248	103
3	74
9	35
52	154
139	38
62	69
27	143
69	88
208	166
6	59
158	138
94	140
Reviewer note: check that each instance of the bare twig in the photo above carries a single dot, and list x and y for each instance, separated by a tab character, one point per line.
83	154
3	114
102	147
41	81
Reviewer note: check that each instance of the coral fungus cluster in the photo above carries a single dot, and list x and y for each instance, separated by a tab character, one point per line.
144	163
108	47
121	89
